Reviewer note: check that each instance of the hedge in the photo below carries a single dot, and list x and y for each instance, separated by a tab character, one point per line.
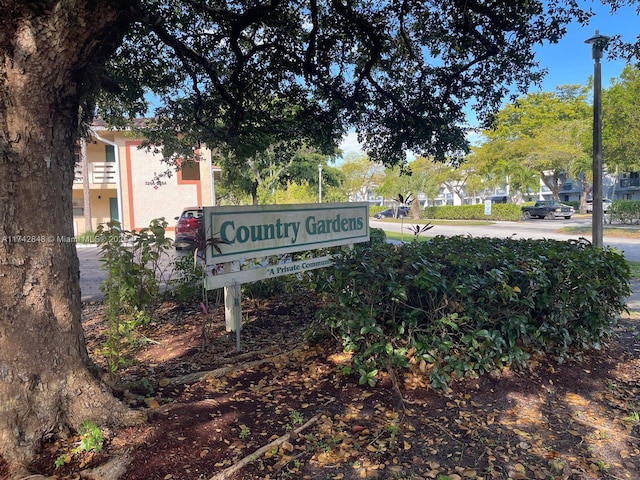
625	211
463	306
499	211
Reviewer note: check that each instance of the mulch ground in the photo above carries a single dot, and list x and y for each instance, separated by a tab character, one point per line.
575	420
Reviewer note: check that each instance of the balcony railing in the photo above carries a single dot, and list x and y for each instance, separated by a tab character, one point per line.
100	173
629	182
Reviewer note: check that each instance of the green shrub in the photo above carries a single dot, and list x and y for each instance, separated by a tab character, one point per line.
377	236
187	279
471	305
131	289
499	211
625	211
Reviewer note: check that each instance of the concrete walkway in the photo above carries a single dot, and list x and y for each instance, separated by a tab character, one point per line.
634	300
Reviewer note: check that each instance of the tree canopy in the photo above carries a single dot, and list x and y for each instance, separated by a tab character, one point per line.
621	122
361	176
545	132
248	75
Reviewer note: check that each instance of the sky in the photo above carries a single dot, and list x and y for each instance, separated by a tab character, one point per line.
569	61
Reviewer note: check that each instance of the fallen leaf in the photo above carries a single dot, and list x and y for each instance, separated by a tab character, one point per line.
151	403
423	366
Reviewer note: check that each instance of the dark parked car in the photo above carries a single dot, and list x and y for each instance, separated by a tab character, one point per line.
548	209
498	199
189	228
400	212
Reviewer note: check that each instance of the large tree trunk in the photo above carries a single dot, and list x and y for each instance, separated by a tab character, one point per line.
45	384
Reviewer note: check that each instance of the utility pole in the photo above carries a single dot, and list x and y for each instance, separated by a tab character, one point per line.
598	44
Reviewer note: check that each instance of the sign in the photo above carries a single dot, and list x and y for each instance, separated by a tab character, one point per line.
258	231
244	233
269	271
487	207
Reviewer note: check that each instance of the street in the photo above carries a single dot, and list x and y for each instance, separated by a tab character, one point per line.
536	229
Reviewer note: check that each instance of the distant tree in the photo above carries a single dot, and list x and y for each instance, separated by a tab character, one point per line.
544	132
455	178
423	178
277	167
299	192
304	170
361	176
395	179
621	122
261	170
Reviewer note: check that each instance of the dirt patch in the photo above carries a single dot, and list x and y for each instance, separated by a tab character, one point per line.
576	420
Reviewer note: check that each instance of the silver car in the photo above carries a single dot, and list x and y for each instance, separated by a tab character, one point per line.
606	203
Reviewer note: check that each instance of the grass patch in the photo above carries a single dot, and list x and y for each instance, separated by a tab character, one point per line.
406	237
424	221
618	232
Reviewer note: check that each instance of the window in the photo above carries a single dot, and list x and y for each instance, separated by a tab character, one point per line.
78	207
110	153
190	170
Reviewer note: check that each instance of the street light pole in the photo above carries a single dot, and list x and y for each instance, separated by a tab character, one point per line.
598	44
320	183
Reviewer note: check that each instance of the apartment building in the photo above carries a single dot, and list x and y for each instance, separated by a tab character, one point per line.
117	180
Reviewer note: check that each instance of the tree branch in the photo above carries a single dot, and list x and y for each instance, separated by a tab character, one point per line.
226	473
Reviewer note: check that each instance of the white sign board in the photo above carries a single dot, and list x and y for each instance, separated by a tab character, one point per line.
258	231
263	273
487	207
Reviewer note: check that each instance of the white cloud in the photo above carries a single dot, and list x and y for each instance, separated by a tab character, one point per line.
350	145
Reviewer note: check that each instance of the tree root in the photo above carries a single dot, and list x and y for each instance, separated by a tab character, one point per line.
111	470
217	373
223	371
23	474
226	473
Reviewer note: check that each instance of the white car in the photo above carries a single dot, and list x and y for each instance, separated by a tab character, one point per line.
606	203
